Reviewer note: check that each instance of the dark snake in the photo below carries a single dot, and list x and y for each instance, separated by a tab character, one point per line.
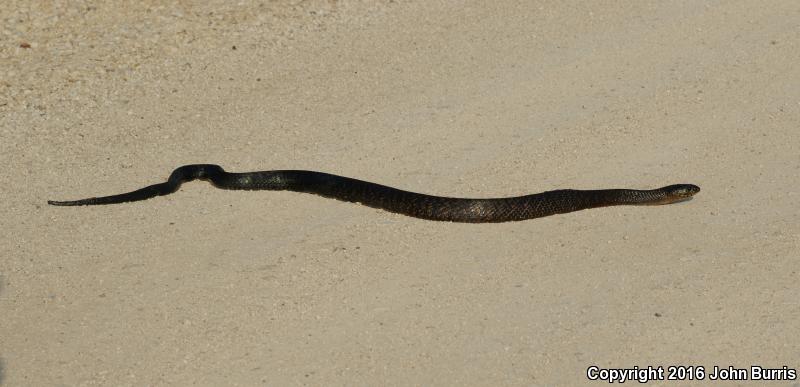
403	202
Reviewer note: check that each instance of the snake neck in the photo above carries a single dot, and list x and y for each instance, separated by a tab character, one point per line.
632	197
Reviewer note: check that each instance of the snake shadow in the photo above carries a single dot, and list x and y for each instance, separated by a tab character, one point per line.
683	201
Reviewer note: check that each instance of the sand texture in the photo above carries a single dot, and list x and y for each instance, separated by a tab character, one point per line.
455	98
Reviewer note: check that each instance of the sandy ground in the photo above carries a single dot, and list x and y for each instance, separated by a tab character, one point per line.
459	98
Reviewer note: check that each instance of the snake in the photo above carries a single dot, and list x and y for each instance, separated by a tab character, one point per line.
418	205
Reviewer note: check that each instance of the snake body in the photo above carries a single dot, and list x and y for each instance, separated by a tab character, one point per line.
399	201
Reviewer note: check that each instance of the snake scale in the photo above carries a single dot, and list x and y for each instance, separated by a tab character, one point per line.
403	202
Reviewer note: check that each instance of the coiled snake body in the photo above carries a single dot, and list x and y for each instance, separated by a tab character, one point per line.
403	202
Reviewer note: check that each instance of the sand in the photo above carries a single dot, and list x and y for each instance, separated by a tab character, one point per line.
459	98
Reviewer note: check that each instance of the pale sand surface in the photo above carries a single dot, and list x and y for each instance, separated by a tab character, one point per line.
482	99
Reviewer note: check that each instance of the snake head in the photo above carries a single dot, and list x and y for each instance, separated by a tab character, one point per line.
679	192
